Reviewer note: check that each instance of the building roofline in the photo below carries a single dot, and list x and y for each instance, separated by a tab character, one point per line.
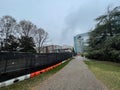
82	34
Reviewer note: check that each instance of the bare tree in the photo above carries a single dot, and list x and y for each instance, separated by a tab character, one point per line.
27	28
41	37
27	33
7	24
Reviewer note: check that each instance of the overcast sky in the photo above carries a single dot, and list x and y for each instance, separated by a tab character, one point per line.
62	19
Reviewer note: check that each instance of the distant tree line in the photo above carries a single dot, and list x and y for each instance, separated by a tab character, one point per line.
23	36
104	42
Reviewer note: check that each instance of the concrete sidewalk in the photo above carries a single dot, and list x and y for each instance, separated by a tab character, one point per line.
74	76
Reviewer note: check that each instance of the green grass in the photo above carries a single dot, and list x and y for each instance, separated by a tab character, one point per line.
107	72
32	82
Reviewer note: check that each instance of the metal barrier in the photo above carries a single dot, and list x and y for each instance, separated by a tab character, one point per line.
13	64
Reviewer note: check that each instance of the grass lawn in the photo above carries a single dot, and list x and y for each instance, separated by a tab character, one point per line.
32	82
107	72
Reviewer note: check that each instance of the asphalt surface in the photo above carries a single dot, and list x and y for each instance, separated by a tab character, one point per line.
74	76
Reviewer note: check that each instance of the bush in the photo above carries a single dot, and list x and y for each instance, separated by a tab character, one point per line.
115	55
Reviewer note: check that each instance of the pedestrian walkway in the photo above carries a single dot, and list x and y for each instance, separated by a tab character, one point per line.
74	76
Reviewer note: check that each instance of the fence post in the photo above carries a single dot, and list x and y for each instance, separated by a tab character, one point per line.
5	66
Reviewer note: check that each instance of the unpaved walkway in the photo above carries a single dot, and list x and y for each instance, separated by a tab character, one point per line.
74	76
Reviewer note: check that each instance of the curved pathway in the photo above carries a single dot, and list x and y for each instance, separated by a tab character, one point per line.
74	76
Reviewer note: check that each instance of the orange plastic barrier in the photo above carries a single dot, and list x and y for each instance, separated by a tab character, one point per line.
44	70
51	68
37	73
32	75
47	69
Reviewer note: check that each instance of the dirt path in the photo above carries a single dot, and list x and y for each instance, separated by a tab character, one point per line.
74	76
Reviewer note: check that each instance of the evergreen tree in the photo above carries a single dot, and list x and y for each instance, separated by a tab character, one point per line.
104	42
27	44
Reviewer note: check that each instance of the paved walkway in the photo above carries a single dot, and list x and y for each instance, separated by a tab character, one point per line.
74	76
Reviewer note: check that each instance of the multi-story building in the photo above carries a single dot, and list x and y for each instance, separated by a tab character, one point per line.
56	49
67	48
80	41
51	49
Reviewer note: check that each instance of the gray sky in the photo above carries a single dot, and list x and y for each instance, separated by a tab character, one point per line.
62	19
